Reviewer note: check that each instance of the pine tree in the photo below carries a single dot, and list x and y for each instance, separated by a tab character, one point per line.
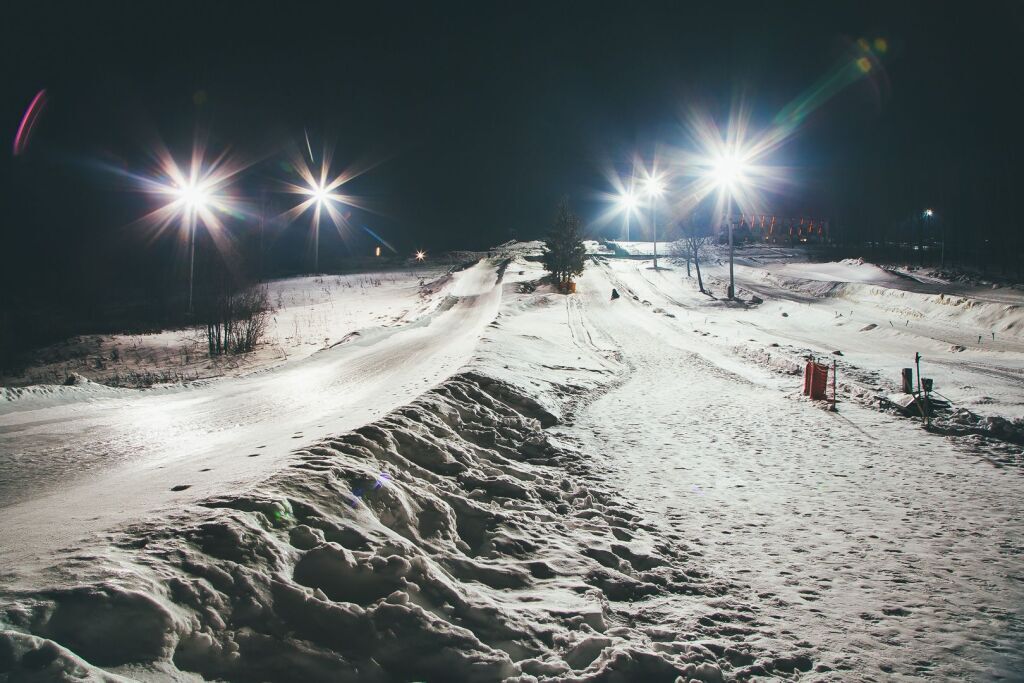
564	251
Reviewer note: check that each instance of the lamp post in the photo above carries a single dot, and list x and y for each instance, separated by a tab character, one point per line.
194	199
627	203
928	213
654	187
727	172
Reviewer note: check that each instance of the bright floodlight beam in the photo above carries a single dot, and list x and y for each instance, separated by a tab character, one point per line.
191	195
194	198
627	203
420	255
654	188
727	173
320	193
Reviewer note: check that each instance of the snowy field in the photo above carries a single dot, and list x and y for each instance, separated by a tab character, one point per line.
525	486
309	314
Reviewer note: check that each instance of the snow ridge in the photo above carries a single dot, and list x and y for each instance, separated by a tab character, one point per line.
451	540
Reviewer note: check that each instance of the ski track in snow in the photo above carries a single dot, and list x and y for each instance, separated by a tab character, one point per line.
79	467
881	548
608	491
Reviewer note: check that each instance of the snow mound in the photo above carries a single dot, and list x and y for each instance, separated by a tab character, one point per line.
451	540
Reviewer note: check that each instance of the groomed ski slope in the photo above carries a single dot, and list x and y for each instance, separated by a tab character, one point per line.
605	491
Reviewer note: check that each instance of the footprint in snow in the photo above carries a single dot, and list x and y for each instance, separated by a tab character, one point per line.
181	487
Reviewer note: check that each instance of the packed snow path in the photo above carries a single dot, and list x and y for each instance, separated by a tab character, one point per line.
79	467
879	548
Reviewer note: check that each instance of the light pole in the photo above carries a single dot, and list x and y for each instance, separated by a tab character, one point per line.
319	193
627	203
654	188
727	171
928	213
728	222
194	198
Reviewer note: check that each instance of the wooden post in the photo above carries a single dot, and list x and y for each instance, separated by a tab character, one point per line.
920	405
835	367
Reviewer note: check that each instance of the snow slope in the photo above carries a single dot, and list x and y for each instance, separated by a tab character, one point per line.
309	314
605	491
874	548
72	468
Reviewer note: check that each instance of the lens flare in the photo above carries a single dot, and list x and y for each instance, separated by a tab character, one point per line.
28	122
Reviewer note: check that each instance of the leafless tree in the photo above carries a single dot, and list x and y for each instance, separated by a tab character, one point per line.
235	317
690	246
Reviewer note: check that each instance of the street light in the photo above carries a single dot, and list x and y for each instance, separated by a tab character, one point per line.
420	255
928	213
627	202
320	194
190	195
654	187
728	173
194	198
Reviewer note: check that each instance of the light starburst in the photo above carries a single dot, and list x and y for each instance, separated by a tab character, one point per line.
319	191
193	195
730	164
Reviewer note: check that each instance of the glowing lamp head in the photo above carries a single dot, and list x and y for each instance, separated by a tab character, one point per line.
928	213
727	170
319	194
193	196
420	255
627	200
654	186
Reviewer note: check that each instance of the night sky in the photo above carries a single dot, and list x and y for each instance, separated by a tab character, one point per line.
479	116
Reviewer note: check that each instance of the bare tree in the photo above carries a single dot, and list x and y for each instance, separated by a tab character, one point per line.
235	317
693	238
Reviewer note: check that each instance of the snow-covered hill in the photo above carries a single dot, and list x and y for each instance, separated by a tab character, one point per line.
589	490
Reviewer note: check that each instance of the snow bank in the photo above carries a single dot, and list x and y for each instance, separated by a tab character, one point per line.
834	281
451	540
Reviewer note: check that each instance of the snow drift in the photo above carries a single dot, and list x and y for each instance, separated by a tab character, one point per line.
451	540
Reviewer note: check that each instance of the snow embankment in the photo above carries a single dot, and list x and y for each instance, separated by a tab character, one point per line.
451	540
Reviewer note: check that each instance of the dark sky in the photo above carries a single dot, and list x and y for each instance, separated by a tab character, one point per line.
481	114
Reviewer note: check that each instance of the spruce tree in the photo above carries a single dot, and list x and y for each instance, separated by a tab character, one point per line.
564	251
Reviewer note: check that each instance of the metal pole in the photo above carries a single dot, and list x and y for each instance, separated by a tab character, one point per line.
654	222
263	218
191	259
732	280
316	249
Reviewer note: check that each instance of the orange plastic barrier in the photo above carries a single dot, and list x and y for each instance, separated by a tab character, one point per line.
815	380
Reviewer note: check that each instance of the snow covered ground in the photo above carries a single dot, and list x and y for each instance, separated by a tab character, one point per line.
599	491
310	313
80	459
